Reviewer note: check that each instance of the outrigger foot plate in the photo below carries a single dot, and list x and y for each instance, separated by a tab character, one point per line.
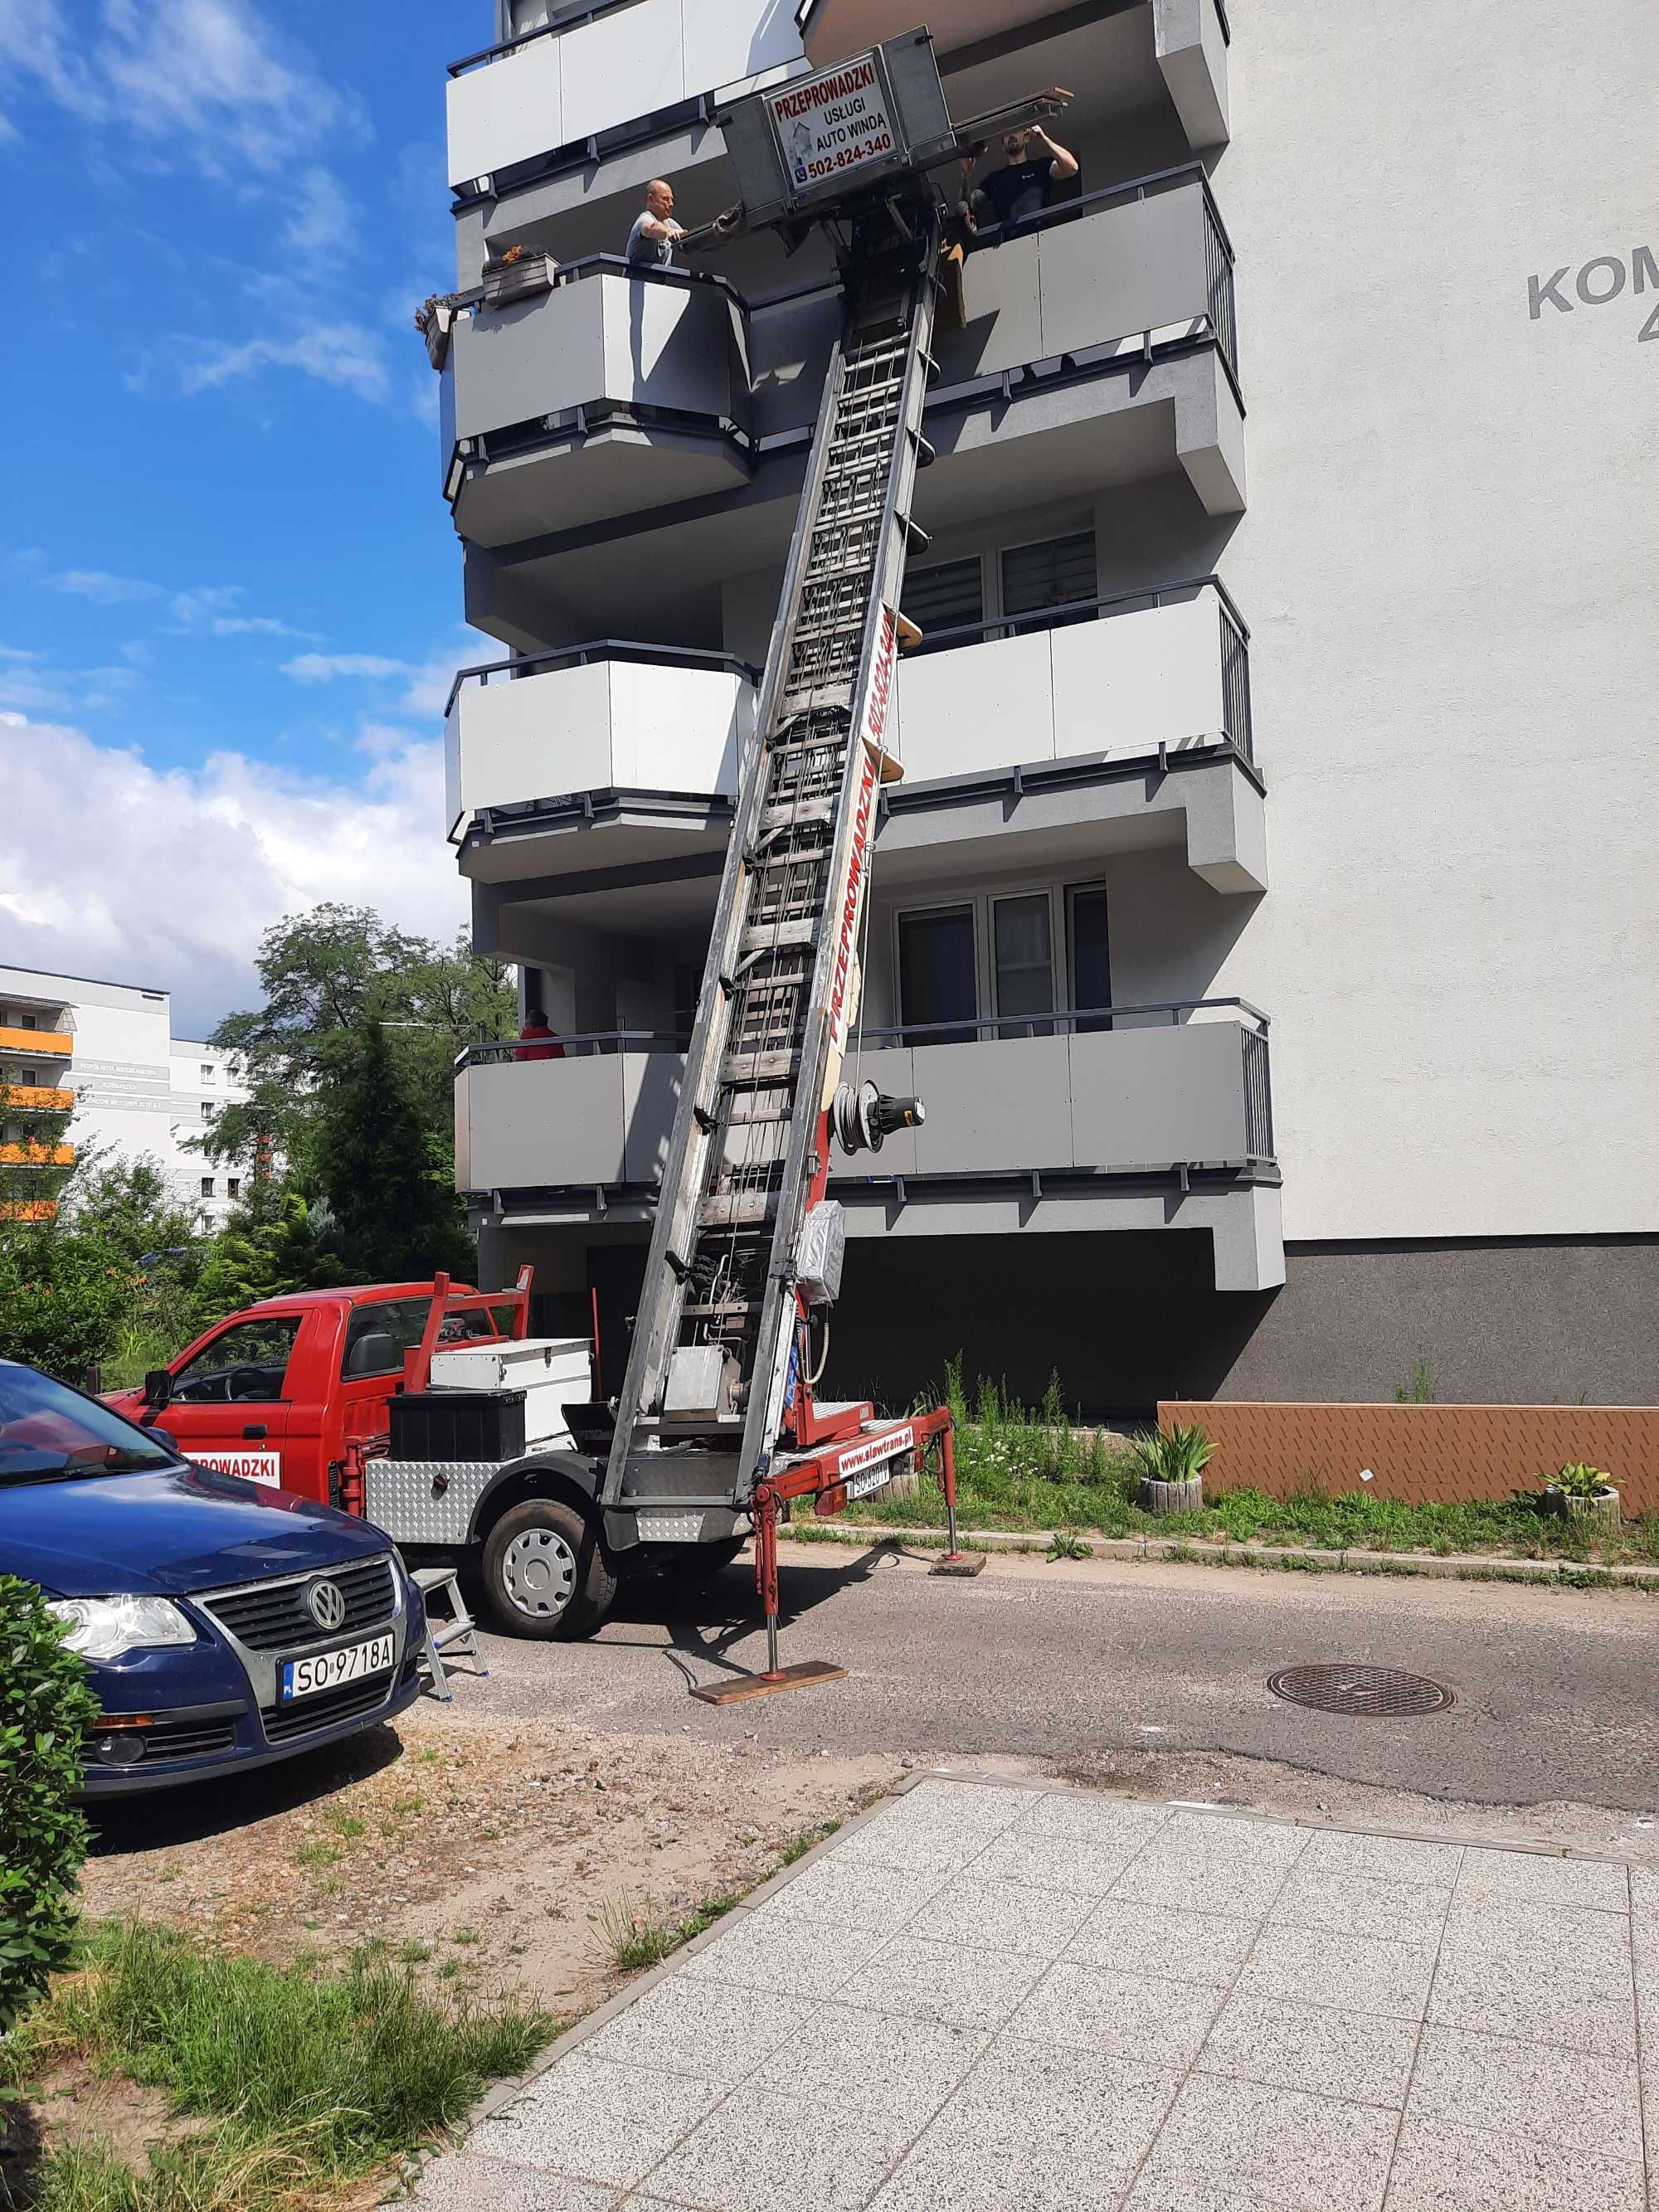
958	1563
736	1687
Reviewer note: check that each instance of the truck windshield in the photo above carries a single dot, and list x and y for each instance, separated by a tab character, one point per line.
49	1433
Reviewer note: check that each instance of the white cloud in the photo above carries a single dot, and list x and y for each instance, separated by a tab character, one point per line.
103	589
323	222
345	355
190	864
211	83
324	667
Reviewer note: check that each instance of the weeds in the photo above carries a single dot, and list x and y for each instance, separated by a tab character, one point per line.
806	1840
302	2080
1066	1544
641	1936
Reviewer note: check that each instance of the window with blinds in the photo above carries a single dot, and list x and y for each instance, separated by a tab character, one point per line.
1055	573
943	597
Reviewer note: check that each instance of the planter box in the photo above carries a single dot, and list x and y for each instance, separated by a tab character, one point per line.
1603	1508
1172	1497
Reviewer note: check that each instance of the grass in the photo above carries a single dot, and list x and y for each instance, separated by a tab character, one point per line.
299	2080
639	1936
1021	1469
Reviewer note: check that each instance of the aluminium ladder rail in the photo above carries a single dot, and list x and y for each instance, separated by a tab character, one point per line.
778	989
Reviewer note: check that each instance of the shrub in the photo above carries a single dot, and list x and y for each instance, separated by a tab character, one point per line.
1176	1454
62	1300
45	1707
1576	1479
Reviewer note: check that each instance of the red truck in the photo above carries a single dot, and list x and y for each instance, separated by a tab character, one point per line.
310	1393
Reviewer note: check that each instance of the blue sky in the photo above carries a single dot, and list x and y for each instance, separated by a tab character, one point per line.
230	592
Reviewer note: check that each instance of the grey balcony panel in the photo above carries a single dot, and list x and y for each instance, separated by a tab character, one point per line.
1140	1096
651	1094
598	397
525	1117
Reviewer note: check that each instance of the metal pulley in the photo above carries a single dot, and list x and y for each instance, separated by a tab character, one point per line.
861	1116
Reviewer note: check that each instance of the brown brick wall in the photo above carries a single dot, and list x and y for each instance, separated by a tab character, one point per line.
1423	1455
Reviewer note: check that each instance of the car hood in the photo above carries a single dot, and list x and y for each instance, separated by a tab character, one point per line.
183	1528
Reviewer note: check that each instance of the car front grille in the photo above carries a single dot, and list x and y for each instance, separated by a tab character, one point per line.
306	1715
274	1617
187	1740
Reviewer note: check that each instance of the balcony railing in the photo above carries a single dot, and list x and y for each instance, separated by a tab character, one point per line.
34	1098
1225	710
598	648
1162	1087
55	1044
1217	252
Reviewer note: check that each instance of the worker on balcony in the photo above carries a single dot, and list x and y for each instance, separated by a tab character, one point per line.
651	241
536	1039
1033	165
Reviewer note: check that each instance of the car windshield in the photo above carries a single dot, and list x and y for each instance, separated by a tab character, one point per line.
48	1432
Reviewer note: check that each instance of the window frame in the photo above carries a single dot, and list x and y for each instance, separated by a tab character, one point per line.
293	1321
897	917
1098	1017
990	1024
1034	616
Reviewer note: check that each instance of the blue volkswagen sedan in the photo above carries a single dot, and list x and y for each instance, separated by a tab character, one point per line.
224	1624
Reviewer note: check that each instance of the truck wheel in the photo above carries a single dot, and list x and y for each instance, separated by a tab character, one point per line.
544	1574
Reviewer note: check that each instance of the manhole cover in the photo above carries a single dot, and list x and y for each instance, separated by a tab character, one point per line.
1382	1692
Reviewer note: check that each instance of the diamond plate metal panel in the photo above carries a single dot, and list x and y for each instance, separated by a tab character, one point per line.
425	1501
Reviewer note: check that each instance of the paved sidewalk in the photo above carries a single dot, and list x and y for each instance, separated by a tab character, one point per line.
986	1995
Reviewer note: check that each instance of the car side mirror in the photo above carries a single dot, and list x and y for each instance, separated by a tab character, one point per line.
158	1387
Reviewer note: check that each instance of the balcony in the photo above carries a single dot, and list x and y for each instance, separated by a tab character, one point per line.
1097	727
642	739
617	391
38	1044
606	70
1141	1117
32	1096
1133	59
36	1155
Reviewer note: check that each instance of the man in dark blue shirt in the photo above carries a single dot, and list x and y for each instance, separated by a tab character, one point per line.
1025	184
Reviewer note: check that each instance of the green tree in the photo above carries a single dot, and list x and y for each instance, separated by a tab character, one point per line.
131	1206
387	1181
45	1707
64	1299
252	1259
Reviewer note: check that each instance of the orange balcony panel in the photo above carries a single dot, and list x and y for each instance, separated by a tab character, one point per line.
28	1209
38	1156
55	1044
31	1094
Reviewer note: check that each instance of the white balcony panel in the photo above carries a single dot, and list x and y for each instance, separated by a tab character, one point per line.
1126	683
506	111
628	63
613	725
729	42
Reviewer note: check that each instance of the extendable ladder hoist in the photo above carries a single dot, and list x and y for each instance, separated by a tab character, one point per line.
717	1406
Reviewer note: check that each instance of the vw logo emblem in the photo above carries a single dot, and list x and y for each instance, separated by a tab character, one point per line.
327	1602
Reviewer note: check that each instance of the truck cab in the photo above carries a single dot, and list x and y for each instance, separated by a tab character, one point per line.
276	1392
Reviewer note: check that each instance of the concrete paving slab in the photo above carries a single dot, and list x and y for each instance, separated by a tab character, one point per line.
1356	1973
1129	1937
1358	2056
1442	2167
1054	2002
1565	2098
1278	2147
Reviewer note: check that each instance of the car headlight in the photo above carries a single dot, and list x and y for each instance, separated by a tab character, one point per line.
105	1627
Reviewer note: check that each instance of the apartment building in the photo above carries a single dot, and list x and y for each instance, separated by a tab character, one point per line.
90	1066
1265	913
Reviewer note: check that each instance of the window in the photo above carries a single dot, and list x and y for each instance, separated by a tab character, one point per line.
207	1185
232	1186
945	596
207	1071
1055	574
28	1022
1022	963
31	1076
938	979
245	1363
209	1109
1092	967
377	1336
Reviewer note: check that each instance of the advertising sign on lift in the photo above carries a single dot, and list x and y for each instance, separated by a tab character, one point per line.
836	121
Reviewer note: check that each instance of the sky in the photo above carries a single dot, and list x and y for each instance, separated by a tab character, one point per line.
230	593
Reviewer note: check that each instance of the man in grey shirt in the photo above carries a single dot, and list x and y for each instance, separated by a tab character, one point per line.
652	239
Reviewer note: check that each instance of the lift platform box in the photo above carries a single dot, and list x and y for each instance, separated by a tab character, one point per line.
551	1371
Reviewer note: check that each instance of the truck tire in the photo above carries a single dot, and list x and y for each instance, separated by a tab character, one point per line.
544	1572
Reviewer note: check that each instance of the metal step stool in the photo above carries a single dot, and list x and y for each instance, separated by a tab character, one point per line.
458	1635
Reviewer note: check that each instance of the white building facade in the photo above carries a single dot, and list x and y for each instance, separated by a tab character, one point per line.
106	1053
1267	915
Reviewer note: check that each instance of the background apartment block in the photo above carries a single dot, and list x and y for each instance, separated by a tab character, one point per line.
105	1053
1267	915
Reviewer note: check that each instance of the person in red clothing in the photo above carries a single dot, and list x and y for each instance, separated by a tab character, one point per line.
536	1040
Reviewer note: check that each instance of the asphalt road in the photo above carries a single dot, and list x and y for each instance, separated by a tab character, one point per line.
1556	1695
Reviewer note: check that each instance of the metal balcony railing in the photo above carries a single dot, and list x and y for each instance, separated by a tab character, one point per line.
1217	246
1235	638
588	1044
600	648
